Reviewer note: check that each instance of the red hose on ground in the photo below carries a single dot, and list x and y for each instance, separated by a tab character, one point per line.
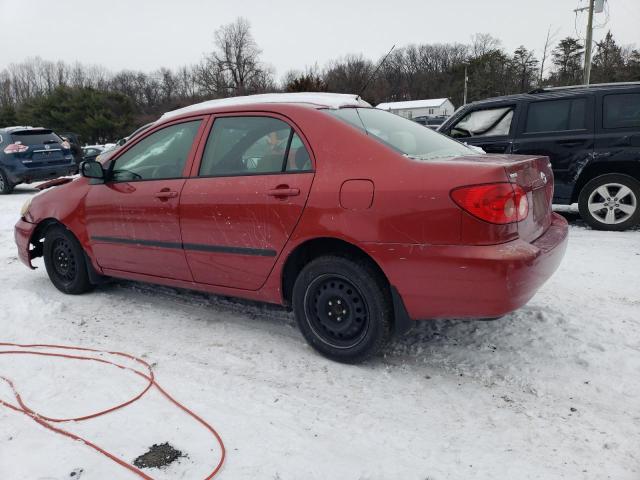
147	374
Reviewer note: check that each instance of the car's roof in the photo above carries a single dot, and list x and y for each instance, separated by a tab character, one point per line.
311	99
22	128
559	92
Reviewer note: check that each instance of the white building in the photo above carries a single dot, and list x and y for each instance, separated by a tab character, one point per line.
434	107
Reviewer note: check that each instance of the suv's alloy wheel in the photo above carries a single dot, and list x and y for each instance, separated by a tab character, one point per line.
610	202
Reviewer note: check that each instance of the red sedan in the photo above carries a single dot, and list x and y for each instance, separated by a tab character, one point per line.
358	219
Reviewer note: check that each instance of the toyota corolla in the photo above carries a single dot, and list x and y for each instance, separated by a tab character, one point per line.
360	220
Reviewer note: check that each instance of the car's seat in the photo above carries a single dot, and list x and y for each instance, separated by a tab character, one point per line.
302	159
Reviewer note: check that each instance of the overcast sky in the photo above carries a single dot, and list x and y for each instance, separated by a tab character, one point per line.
148	34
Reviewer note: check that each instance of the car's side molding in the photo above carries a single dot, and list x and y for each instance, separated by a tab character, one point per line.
260	252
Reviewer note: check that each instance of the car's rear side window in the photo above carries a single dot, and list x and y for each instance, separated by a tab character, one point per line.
252	145
35	137
556	115
404	136
621	110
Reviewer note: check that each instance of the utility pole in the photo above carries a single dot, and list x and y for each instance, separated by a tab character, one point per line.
589	41
466	79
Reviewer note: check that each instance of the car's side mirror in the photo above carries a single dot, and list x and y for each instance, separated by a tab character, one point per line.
92	169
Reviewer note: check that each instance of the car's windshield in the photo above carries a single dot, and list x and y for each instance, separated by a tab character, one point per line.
409	138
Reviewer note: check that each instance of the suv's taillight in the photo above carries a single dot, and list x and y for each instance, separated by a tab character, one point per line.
16	148
499	203
65	145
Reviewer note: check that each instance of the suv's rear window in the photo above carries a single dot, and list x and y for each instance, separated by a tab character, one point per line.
557	115
35	137
621	110
406	137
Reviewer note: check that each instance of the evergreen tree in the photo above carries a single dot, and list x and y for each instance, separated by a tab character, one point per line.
567	59
525	67
608	64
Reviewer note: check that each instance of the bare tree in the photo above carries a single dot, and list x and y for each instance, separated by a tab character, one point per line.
484	43
551	38
234	66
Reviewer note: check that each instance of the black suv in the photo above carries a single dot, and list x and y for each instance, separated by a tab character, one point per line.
29	154
591	134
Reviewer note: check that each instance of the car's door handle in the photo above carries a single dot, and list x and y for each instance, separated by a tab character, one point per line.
570	143
166	194
283	192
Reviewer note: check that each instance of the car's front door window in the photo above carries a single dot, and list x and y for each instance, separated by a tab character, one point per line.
161	155
491	122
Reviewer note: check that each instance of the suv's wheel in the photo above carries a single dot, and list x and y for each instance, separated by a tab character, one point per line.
5	185
610	202
65	261
343	308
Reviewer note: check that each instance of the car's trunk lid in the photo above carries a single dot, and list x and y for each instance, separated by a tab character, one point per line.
45	148
535	177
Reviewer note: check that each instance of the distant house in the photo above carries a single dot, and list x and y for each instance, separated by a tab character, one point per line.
411	109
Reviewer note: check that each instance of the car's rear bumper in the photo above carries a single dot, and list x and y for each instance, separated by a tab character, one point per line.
35	174
461	281
22	234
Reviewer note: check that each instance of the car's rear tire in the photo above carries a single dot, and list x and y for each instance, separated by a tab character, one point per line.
343	308
611	202
6	186
65	261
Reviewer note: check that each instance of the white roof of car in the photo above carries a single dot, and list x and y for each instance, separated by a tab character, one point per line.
429	103
330	100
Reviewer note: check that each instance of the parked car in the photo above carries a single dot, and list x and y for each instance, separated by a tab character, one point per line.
29	154
591	134
91	152
430	122
75	144
359	219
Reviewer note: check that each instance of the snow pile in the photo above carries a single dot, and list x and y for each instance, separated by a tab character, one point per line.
323	99
550	391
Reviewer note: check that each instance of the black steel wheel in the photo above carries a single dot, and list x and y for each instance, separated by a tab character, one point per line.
337	311
343	308
65	261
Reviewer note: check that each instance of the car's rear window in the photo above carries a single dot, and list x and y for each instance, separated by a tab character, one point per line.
406	137
35	137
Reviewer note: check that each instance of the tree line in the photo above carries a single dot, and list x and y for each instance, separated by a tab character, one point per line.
100	105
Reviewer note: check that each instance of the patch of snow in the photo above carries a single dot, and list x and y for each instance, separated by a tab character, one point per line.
550	391
428	103
323	99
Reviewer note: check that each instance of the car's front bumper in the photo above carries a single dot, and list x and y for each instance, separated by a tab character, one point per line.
22	234
462	281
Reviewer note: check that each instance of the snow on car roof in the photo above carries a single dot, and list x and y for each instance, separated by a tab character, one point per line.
330	100
429	103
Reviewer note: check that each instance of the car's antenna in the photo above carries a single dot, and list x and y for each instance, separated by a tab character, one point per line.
372	76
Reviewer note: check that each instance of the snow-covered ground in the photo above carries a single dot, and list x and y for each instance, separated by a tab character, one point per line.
551	391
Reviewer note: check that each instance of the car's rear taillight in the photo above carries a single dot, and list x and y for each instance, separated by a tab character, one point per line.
499	203
65	145
16	148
